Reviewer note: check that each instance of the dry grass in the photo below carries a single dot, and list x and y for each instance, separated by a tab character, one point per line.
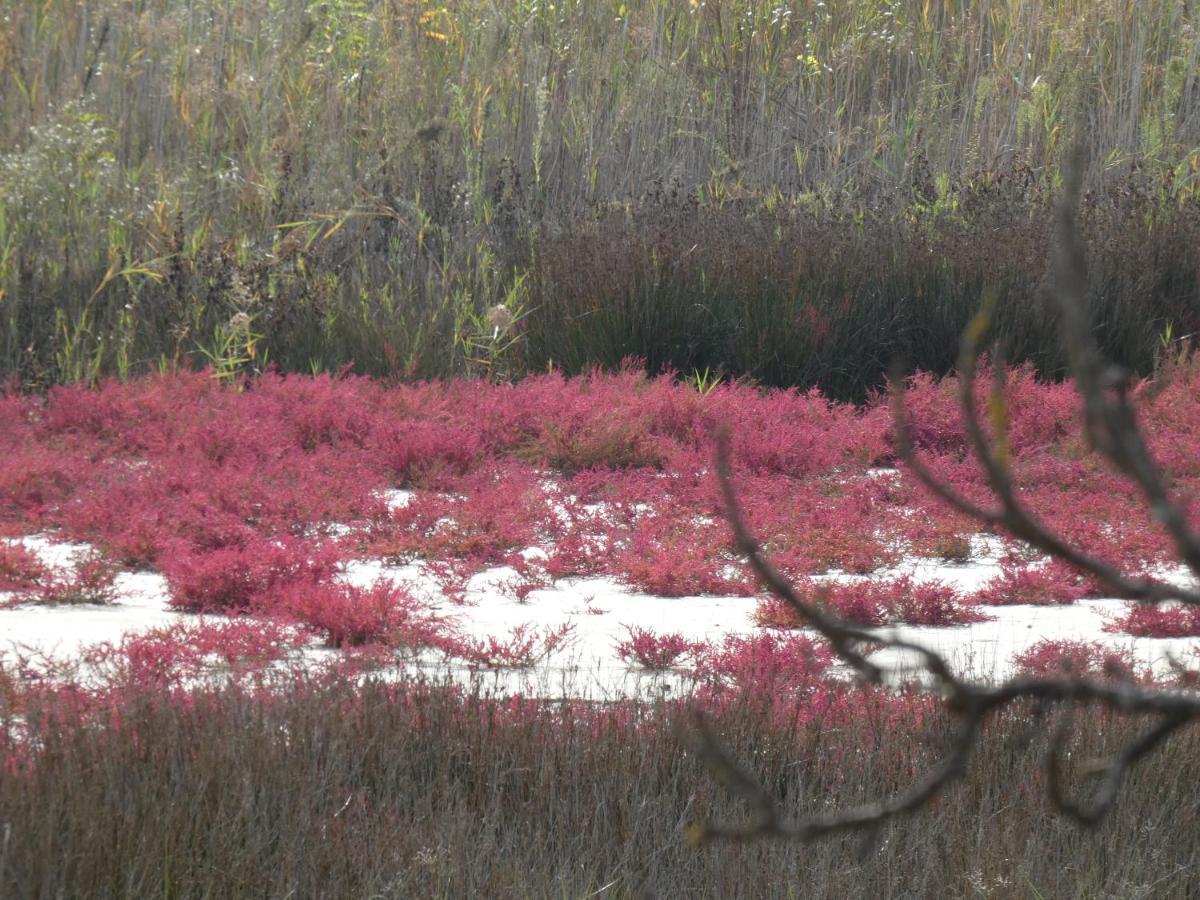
259	180
417	792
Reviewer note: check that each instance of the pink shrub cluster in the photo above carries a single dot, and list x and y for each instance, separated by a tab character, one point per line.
872	602
175	655
88	581
1170	621
248	500
1040	415
669	556
523	648
764	664
346	616
1060	657
654	651
20	569
946	538
791	681
252	574
1053	583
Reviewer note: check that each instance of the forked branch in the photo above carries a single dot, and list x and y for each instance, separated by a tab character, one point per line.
1113	430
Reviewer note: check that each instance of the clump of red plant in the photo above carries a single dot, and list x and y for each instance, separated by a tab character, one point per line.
177	654
1040	413
451	576
346	616
896	600
670	556
1055	583
773	612
1076	658
1163	621
929	603
88	581
529	575
945	537
654	651
20	568
523	648
246	575
764	663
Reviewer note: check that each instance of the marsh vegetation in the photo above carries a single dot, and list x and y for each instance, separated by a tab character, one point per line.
291	287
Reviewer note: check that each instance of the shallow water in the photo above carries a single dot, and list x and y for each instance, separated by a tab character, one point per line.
601	610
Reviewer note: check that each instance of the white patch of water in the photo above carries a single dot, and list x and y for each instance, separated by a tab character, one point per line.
601	612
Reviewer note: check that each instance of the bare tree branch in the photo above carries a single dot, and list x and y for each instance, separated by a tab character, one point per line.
1113	770
1012	514
1114	432
844	637
769	822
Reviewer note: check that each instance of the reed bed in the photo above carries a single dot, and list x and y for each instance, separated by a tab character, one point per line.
795	192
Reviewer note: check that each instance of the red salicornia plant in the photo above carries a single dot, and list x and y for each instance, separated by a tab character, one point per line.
523	648
653	651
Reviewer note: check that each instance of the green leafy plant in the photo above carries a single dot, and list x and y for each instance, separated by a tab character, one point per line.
234	349
703	381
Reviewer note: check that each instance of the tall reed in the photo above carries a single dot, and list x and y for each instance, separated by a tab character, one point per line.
360	181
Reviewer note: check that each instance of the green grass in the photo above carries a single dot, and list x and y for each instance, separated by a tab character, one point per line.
360	181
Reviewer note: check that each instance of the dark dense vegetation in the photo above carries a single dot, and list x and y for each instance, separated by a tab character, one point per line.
795	193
